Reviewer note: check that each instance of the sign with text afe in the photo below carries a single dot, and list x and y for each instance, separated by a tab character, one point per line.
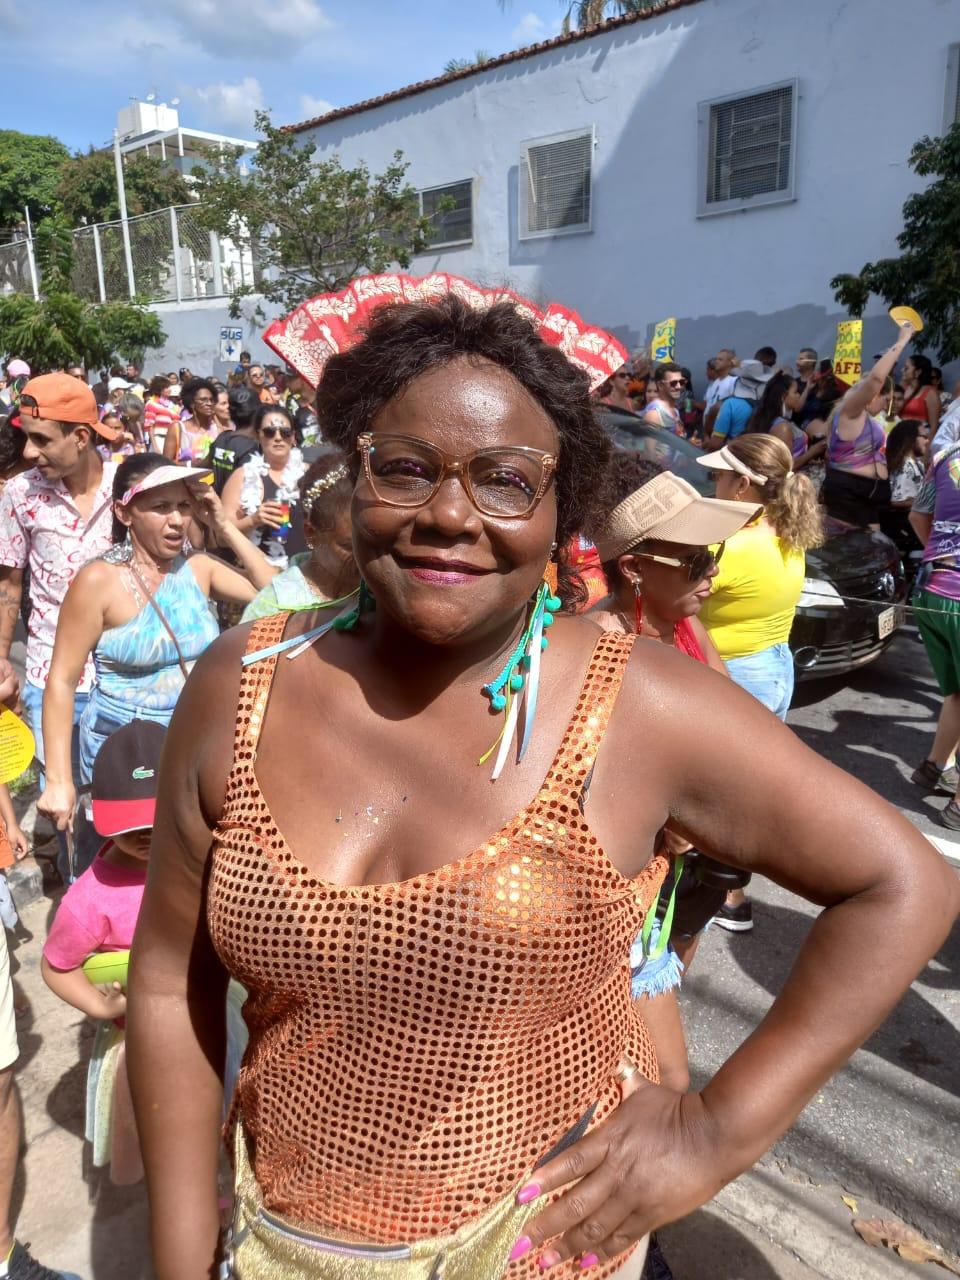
848	355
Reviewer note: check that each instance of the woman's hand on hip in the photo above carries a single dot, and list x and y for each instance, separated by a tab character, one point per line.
653	1161
58	801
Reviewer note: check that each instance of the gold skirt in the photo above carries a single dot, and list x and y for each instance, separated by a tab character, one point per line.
264	1246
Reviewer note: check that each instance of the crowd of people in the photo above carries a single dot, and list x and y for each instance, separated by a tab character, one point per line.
446	503
837	435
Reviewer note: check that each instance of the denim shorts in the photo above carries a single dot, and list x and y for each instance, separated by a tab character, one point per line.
653	977
768	675
104	715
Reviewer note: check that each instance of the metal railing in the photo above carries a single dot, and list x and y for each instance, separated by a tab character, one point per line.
173	258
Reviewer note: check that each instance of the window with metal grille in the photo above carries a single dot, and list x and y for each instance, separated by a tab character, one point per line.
951	106
747	149
555	184
450	210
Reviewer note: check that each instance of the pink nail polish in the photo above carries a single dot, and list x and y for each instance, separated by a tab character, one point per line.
588	1260
548	1259
528	1193
523	1245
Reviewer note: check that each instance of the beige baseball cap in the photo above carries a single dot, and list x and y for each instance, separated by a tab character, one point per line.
669	509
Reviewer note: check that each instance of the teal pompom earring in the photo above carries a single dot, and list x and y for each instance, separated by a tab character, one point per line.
519	680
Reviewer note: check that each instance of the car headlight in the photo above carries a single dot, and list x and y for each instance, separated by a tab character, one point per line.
817	593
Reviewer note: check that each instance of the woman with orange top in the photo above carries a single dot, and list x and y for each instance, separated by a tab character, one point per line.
921	399
442	1037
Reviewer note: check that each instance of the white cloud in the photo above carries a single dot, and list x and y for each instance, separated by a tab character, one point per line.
229	106
529	30
310	107
248	26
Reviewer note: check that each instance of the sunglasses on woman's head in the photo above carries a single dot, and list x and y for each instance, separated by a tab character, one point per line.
697	565
284	432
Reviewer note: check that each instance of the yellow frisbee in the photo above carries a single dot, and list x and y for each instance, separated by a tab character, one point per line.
906	315
107	967
16	746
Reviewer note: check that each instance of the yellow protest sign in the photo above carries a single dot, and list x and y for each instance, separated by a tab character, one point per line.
664	341
16	746
848	356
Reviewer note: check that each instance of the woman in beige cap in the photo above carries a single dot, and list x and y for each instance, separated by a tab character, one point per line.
659	549
655	551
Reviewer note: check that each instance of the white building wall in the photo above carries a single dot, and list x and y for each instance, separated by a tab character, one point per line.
872	76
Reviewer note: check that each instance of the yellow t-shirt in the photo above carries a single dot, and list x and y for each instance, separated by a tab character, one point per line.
755	594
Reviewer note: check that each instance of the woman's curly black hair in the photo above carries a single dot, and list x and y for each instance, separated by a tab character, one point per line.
626	473
404	340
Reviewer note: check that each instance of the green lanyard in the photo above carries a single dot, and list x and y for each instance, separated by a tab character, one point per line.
667	924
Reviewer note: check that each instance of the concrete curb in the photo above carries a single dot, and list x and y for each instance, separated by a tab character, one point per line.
813	1224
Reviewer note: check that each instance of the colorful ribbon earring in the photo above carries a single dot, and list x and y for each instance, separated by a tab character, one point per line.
519	680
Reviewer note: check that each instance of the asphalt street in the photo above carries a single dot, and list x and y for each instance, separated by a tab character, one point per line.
888	1126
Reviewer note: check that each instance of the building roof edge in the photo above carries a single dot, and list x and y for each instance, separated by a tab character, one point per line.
655	10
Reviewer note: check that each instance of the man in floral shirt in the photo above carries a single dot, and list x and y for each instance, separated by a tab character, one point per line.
53	519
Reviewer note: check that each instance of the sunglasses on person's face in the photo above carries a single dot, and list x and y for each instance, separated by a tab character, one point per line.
283	432
676	382
697	565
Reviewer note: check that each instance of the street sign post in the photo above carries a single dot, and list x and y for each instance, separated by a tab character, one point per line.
231	341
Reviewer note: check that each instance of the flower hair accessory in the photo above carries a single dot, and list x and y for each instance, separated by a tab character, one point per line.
333	322
325	482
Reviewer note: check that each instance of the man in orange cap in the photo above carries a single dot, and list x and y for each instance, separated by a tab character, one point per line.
53	518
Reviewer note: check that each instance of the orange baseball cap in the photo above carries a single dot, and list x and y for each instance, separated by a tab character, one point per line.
60	398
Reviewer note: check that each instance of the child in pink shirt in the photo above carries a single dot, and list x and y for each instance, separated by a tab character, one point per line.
98	914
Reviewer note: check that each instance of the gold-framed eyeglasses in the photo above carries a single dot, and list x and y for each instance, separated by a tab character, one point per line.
505	482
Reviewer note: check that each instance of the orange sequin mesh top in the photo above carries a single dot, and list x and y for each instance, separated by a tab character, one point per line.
416	1048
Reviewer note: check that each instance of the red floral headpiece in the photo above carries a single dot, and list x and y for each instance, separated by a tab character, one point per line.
334	322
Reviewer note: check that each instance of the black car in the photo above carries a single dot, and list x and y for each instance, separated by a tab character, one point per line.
852	601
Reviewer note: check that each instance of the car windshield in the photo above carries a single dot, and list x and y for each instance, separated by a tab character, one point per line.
673	453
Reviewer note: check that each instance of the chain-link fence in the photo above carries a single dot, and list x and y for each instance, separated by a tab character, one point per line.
16	270
172	258
86	273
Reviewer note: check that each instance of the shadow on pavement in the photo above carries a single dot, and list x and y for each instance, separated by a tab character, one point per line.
119	1223
686	1245
119	1231
767	955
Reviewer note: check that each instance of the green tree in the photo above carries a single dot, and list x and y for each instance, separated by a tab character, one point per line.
30	167
311	224
466	64
60	327
926	275
587	13
87	190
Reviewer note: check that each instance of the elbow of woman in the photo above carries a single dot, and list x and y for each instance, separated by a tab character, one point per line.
927	893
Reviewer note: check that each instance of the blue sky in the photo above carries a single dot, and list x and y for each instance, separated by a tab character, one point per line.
224	58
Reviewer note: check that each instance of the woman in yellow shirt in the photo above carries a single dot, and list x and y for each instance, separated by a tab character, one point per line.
750	609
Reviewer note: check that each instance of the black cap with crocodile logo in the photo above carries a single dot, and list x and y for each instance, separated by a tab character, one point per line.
125	776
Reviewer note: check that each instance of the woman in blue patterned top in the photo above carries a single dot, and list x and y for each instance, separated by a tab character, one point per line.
143	610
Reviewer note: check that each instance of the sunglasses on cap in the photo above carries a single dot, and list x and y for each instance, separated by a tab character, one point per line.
697	565
284	432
